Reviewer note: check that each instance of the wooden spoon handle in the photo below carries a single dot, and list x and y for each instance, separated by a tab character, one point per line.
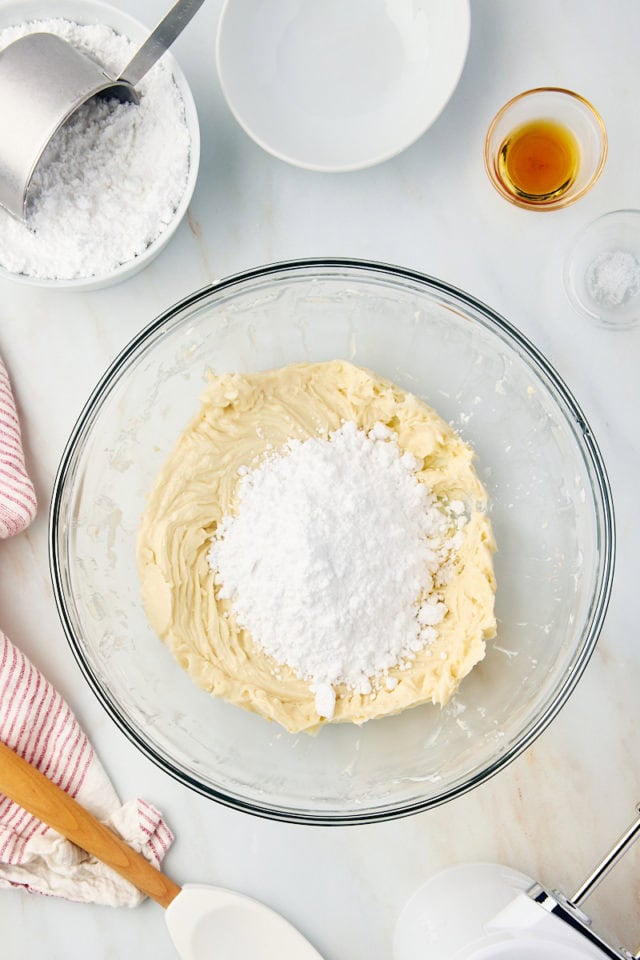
30	789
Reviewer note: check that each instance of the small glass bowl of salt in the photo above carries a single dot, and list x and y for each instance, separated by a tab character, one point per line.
602	270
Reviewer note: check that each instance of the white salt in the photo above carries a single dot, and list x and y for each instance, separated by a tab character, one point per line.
613	277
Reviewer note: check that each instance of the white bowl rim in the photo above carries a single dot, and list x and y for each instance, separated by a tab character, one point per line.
130	267
356	165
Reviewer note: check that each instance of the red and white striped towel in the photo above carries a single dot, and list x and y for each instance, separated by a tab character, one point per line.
37	723
17	496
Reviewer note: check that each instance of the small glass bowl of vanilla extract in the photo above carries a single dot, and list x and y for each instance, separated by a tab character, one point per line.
545	148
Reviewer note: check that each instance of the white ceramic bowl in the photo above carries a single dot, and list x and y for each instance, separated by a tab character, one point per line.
89	12
333	85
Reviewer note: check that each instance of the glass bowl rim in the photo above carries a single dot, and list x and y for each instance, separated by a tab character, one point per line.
601	492
552	204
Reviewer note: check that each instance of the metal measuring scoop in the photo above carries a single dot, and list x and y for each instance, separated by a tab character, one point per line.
44	80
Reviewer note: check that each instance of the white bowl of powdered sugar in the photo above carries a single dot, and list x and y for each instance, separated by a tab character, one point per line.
116	179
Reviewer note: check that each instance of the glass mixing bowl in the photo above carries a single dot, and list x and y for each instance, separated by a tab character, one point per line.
550	507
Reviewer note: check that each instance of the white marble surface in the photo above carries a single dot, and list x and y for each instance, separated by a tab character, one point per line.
555	810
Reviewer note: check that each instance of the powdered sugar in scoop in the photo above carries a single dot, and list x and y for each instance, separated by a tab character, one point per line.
111	179
335	557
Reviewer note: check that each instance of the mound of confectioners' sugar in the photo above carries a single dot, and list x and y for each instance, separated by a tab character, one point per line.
111	179
334	559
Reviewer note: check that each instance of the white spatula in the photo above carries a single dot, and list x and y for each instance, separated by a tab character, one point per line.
203	921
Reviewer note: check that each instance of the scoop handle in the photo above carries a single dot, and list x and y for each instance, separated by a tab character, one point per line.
31	790
159	41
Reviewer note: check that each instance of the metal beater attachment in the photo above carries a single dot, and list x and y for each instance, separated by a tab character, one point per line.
484	911
568	908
